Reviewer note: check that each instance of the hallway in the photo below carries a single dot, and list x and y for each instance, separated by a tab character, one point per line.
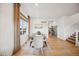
56	47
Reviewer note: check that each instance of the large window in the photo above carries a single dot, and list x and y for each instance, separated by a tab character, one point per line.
23	27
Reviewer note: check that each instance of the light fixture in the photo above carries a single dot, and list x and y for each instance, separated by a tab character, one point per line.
36	4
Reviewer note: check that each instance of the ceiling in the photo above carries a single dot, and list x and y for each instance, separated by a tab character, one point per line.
49	10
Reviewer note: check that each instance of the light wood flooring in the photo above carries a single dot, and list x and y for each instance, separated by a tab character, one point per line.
56	47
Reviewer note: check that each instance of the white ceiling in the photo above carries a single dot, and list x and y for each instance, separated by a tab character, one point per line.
50	10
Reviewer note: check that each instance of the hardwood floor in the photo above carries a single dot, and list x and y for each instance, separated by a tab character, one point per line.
56	47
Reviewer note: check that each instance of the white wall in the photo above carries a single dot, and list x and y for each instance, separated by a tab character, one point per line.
67	25
6	29
71	25
60	28
44	30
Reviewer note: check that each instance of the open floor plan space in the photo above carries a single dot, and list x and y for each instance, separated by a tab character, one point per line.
56	47
39	29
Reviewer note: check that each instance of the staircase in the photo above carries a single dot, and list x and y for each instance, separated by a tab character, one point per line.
72	38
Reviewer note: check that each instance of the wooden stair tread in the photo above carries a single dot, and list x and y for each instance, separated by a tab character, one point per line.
73	36
71	40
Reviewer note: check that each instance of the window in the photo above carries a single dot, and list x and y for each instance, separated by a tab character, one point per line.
23	27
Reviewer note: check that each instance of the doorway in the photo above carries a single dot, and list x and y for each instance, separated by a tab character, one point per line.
52	28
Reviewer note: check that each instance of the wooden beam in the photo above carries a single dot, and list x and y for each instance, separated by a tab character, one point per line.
16	27
29	26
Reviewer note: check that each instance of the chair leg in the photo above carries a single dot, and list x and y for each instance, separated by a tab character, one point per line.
42	51
30	43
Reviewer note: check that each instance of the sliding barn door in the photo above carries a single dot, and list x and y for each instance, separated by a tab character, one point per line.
16	27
